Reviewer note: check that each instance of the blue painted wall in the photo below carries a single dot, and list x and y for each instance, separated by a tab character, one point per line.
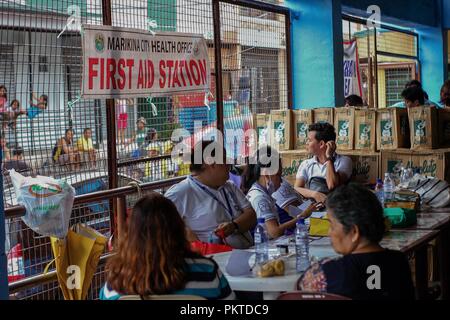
317	53
446	13
417	11
317	56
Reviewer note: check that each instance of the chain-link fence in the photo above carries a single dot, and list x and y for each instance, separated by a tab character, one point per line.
48	129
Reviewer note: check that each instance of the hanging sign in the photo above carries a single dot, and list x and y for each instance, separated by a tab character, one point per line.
123	62
352	75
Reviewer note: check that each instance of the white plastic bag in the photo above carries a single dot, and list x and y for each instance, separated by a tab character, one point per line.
48	203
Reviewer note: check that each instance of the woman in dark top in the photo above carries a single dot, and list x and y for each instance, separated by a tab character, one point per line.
366	270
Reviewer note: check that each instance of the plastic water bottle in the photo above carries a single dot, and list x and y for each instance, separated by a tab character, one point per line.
261	242
213	238
389	187
301	246
379	191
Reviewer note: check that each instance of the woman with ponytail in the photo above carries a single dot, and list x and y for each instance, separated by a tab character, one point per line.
261	178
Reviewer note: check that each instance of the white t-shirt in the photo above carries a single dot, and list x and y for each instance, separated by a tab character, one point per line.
202	213
312	168
263	204
121	106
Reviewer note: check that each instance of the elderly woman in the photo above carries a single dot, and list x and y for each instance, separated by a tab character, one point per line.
366	270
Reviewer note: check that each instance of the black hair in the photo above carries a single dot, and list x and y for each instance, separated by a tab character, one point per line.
252	172
6	91
413	94
445	93
151	133
354	100
416	83
15	100
324	131
413	83
45	97
86	129
355	205
18	151
68	130
197	167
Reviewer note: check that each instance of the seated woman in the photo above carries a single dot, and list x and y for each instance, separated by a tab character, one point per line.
262	177
155	258
366	270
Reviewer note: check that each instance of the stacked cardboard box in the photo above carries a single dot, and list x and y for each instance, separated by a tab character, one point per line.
301	121
290	161
366	166
323	115
423	124
435	163
365	129
392	129
344	123
281	133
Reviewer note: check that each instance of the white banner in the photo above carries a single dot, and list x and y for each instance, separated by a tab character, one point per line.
352	76
123	62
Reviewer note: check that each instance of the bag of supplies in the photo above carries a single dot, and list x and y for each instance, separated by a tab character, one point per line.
48	203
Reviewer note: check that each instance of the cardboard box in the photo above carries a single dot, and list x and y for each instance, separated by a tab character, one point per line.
392	129
281	124
435	163
366	166
262	127
301	120
424	127
365	132
444	127
323	115
291	160
344	123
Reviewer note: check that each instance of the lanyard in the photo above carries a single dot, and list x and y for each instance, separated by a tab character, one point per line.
227	208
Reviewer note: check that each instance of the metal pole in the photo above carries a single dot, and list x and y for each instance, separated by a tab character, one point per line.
218	64
111	129
4	292
376	68
287	19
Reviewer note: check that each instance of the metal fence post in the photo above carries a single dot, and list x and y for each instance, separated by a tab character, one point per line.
3	267
218	65
111	130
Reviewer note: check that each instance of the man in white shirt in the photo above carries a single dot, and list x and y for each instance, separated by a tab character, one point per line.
210	204
325	165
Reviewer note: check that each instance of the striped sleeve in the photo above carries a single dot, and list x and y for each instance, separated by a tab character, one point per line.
206	280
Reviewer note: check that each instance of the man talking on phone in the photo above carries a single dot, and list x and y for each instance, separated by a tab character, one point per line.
326	170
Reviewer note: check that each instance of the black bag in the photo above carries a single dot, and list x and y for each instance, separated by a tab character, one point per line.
318	184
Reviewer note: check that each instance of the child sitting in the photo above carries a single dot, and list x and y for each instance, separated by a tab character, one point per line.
37	108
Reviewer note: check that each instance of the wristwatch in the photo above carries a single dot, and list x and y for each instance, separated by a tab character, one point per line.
332	158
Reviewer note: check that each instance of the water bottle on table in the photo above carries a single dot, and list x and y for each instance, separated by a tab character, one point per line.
301	246
379	191
389	187
261	242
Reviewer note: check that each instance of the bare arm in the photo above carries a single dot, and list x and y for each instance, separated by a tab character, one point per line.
276	230
190	235
309	194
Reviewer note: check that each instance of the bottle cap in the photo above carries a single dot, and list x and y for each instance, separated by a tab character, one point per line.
261	220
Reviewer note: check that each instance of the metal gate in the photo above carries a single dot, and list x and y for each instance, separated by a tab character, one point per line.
249	54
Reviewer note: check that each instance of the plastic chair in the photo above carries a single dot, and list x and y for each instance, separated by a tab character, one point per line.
163	297
303	295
